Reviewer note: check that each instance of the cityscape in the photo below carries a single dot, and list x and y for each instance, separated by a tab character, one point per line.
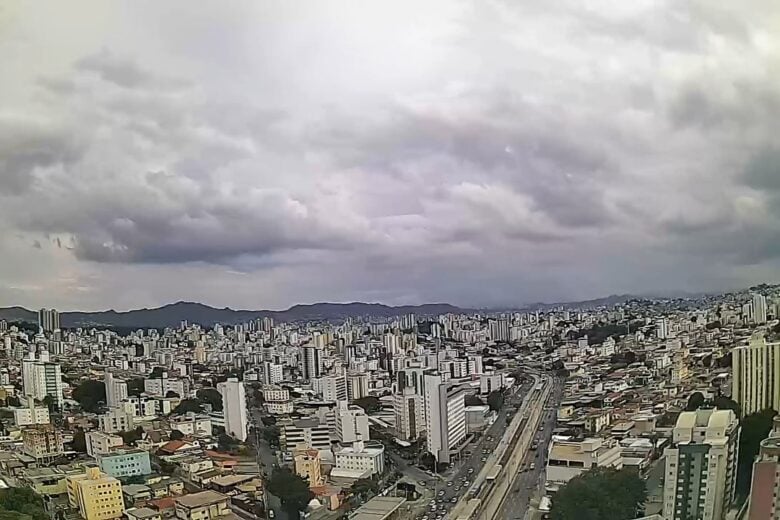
359	260
643	408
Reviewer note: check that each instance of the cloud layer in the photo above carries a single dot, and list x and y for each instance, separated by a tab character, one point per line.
483	153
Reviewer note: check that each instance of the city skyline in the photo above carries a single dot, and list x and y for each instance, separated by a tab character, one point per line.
486	155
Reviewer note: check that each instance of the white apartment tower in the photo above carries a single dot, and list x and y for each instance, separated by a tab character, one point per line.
759	309
701	466
234	408
445	418
756	376
409	414
48	320
116	390
351	423
312	362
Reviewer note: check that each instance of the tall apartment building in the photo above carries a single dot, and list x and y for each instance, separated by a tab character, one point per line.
234	408
116	390
31	414
701	466
351	423
41	378
332	388
116	420
764	500
48	320
312	362
409	414
272	373
756	376
357	386
96	496
759	309
308	465
445	417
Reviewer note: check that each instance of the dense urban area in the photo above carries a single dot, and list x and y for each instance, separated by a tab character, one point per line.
645	408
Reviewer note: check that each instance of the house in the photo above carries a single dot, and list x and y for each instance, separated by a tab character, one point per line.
205	505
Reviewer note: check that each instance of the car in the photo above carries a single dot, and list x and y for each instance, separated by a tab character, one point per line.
271	513
471	470
432	503
483	459
449	483
454	500
421	483
441	493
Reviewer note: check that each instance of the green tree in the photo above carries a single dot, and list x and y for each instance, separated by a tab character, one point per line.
79	443
291	489
724	403
754	428
271	435
133	436
695	401
135	386
370	404
495	400
364	488
176	435
210	396
90	394
599	494
157	373
186	406
22	500
473	400
171	394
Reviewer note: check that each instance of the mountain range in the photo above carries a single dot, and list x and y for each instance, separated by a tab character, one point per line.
173	314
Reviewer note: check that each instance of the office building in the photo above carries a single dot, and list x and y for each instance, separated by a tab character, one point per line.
701	466
409	414
96	496
756	376
304	434
234	408
445	417
764	502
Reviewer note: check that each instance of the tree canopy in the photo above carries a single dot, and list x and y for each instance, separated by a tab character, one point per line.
755	428
24	502
79	442
599	494
291	489
188	405
176	435
495	400
135	386
171	394
473	400
89	394
210	396
370	404
695	401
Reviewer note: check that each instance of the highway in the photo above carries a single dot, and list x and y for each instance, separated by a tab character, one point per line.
528	481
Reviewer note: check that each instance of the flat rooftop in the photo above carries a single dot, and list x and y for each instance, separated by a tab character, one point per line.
204	498
378	508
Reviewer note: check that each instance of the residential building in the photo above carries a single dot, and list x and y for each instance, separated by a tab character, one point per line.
351	423
409	414
116	390
312	362
116	420
162	385
445	417
764	502
759	309
360	457
42	442
277	400
96	496
48	320
490	382
234	408
569	457
205	505
124	463
701	466
272	373
332	388
756	375
100	442
31	414
191	424
308	465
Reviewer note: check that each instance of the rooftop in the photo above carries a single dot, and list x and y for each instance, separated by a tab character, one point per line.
378	508
204	498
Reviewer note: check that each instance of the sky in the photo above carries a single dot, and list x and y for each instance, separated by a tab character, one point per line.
257	154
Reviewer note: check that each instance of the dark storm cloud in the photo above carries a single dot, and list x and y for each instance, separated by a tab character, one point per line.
488	153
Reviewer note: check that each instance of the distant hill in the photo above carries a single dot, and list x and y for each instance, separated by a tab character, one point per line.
173	314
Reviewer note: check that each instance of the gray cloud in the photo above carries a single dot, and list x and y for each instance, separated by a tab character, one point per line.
490	153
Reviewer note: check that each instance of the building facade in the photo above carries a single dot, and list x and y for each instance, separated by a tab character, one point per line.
756	376
445	418
234	408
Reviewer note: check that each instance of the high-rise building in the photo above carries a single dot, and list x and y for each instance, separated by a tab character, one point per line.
351	423
96	496
41	379
234	408
445	418
116	390
48	320
272	373
759	309
662	328
312	362
764	500
701	466
333	388
357	386
409	414
756	376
